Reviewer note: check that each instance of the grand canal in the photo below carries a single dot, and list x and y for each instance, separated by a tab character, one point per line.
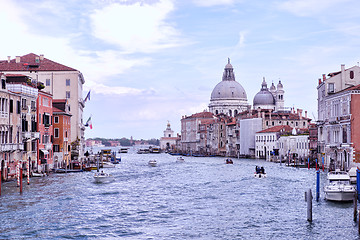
202	198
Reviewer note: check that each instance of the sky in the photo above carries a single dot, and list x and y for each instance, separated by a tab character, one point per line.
147	62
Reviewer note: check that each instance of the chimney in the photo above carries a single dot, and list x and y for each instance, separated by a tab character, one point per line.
17	59
319	81
9	58
300	113
324	77
41	57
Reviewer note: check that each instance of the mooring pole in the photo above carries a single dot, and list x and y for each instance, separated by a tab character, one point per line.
21	172
316	164
317	185
358	182
28	172
308	162
308	199
0	180
355	206
18	174
323	165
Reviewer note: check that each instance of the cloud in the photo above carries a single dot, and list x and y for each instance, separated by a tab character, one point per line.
136	27
305	8
210	3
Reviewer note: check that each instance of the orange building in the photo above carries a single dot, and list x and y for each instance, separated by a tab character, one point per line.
62	133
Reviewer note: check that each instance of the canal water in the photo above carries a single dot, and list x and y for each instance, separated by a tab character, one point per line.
202	198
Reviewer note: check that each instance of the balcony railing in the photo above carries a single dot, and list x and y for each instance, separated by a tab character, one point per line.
48	146
35	135
11	147
26	135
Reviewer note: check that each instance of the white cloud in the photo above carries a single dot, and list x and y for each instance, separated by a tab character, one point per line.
308	7
210	3
103	89
137	27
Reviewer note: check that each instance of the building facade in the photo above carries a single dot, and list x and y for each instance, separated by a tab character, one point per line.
59	80
338	114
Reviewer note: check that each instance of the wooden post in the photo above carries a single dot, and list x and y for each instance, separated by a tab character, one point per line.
0	180
18	174
355	206
308	199
21	172
317	185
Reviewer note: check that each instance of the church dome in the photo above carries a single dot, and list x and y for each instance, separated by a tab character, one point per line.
264	97
228	88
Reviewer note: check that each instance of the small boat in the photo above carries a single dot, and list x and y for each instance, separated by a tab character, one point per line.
154	150
229	161
123	150
180	159
35	174
143	151
259	172
101	177
152	163
338	187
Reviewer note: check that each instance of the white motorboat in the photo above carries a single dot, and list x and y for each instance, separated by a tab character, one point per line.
352	173
108	165
152	163
338	187
259	172
35	174
180	159
101	177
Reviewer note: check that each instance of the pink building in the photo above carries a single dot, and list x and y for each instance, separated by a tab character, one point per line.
45	127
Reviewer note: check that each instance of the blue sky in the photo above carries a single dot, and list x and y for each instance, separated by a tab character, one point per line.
150	61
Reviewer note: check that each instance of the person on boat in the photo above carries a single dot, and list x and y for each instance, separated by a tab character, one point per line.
257	169
262	170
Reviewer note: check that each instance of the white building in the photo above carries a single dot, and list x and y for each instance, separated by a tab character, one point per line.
289	145
248	129
168	141
338	114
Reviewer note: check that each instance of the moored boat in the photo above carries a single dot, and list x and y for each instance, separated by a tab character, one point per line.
338	187
36	174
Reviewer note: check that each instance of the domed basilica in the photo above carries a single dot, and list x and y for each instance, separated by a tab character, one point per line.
229	97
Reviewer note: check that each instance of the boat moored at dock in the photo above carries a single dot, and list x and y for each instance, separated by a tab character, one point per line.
338	187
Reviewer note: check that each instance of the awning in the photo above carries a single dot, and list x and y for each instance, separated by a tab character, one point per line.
44	151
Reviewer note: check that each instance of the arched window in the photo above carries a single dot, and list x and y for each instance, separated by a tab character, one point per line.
235	112
230	112
216	112
351	74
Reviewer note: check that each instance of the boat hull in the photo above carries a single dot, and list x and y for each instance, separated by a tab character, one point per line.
260	175
103	178
339	196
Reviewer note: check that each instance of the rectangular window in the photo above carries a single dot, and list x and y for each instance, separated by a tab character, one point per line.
23	103
46	102
331	88
11	105
67	94
67	82
56	133
56	148
48	82
56	119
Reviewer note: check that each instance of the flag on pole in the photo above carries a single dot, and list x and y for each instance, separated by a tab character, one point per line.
88	123
87	97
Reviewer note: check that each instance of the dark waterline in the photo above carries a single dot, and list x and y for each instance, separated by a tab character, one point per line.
202	198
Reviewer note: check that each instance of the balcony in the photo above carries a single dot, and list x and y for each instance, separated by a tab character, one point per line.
48	146
11	147
35	135
26	135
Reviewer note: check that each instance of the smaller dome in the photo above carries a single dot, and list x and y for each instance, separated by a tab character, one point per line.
264	98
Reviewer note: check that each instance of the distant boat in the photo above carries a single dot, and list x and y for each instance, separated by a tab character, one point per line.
180	159
123	150
35	174
152	163
101	177
143	151
259	172
62	170
155	150
229	161
108	165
